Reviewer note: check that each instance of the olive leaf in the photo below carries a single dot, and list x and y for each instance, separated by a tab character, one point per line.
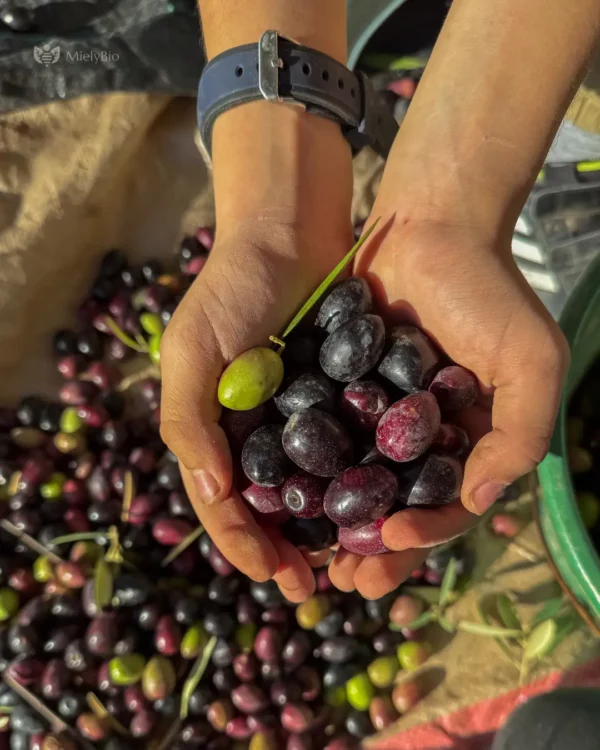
448	582
539	642
507	612
195	676
124	337
322	288
83	536
183	544
99	710
565	625
480	628
550	609
103	584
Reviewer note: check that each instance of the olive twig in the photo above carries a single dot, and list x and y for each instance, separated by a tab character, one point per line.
99	710
196	675
30	542
184	544
151	371
124	337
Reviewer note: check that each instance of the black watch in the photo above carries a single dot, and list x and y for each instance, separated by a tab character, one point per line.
279	70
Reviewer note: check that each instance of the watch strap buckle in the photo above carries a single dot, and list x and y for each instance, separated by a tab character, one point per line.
269	65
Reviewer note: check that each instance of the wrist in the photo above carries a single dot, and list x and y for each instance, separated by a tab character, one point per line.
279	162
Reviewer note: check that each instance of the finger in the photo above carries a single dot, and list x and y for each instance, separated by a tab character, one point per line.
236	533
376	576
318	559
525	405
191	365
342	569
294	575
417	528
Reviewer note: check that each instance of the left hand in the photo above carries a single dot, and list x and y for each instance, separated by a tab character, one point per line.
460	284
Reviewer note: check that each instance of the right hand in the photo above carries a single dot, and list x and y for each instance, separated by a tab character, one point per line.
256	278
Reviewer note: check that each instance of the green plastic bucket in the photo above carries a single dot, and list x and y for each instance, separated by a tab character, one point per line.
570	549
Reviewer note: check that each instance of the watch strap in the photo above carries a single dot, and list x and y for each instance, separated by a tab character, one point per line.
278	69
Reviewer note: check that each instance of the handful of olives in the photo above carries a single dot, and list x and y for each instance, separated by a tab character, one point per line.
349	422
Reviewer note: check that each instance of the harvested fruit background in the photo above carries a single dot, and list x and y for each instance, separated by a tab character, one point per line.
79	177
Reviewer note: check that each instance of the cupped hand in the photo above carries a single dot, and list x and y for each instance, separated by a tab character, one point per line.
464	289
256	278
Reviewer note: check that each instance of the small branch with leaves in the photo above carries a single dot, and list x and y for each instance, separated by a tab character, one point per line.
525	645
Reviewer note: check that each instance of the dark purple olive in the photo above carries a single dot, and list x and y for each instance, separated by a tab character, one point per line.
303	495
219	563
347	300
265	721
237	728
296	649
283	692
25	670
143	723
438	482
363	403
359	725
331	625
355	622
223	590
134	698
60	637
271	670
34	611
128	642
171	531
104	683
263	459
221	624
296	717
267	644
300	742
195	733
317	443
245	667
276	615
180	506
263	499
148	616
337	675
412	360
247	609
306	390
55	679
312	534
223	653
266	593
131	589
387	641
309	681
361	495
353	349
76	656
167	636
200	700
23	640
71	704
249	699
67	606
339	649
224	679
187	610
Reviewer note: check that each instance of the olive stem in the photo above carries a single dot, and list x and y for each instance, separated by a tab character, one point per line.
167	740
30	542
184	544
151	371
123	337
196	675
128	493
99	710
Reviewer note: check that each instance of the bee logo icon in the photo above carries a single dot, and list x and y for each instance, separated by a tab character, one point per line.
46	55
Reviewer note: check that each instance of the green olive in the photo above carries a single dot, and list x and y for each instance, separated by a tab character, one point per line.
310	613
126	669
383	670
245	635
360	691
70	421
193	641
52	489
412	654
251	379
335	697
43	570
9	604
159	678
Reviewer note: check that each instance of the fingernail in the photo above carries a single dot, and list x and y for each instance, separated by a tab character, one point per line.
206	485
486	495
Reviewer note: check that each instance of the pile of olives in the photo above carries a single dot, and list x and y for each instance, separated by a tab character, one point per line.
106	615
362	425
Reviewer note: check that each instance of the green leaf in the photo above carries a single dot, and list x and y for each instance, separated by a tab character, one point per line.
446	624
183	544
448	582
507	612
539	642
322	288
565	625
103	584
195	676
122	336
423	619
84	536
550	609
480	628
